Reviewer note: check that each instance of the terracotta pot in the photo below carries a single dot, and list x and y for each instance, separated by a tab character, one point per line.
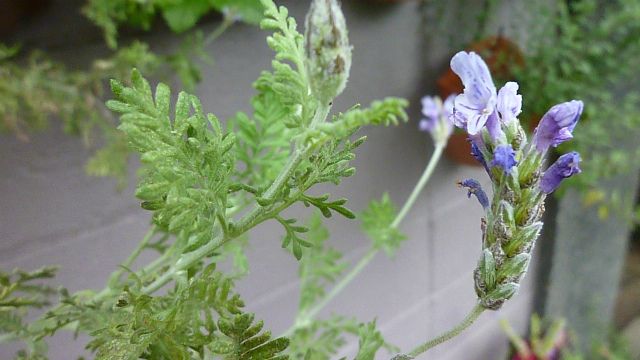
500	54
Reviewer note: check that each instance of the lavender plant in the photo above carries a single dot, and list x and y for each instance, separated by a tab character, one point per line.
208	186
519	182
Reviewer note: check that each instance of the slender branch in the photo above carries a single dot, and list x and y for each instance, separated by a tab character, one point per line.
298	155
337	289
220	29
303	318
455	331
113	279
437	153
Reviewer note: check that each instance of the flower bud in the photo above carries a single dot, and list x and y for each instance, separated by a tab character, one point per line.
564	167
556	126
328	53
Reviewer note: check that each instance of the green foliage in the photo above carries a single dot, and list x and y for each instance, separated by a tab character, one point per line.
187	161
264	140
202	316
180	15
326	207
245	341
376	223
41	89
20	292
291	236
370	341
290	84
322	339
389	111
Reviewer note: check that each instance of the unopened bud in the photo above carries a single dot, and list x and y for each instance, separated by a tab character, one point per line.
328	53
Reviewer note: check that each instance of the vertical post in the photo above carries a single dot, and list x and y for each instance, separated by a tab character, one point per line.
588	257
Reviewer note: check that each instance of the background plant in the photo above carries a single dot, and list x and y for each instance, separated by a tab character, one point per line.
551	339
591	52
34	88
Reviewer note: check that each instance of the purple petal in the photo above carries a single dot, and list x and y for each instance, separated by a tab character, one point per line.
430	107
447	106
557	125
477	154
474	188
564	167
509	103
426	125
505	157
472	70
493	126
477	103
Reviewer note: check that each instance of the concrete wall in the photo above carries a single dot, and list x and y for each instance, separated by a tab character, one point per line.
51	213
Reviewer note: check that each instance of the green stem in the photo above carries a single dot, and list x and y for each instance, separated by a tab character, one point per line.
337	289
455	331
420	185
113	279
303	318
521	345
296	158
220	29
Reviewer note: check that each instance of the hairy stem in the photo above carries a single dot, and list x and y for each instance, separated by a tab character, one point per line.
455	331
303	318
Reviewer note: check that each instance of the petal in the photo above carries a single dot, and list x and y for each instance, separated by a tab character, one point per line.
430	107
470	67
509	103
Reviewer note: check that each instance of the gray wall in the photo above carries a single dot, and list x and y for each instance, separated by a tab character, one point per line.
51	213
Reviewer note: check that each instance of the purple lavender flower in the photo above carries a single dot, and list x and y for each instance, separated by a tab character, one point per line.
505	157
474	188
557	125
563	168
477	154
473	108
438	117
509	103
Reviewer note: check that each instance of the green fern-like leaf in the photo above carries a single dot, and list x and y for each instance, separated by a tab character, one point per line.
170	326
264	141
322	338
376	223
187	162
246	341
390	111
370	341
289	83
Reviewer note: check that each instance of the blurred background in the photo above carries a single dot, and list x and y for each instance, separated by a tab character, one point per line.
67	180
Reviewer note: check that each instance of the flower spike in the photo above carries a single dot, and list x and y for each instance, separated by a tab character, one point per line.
520	184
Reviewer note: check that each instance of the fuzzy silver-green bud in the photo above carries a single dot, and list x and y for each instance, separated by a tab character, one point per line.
328	53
